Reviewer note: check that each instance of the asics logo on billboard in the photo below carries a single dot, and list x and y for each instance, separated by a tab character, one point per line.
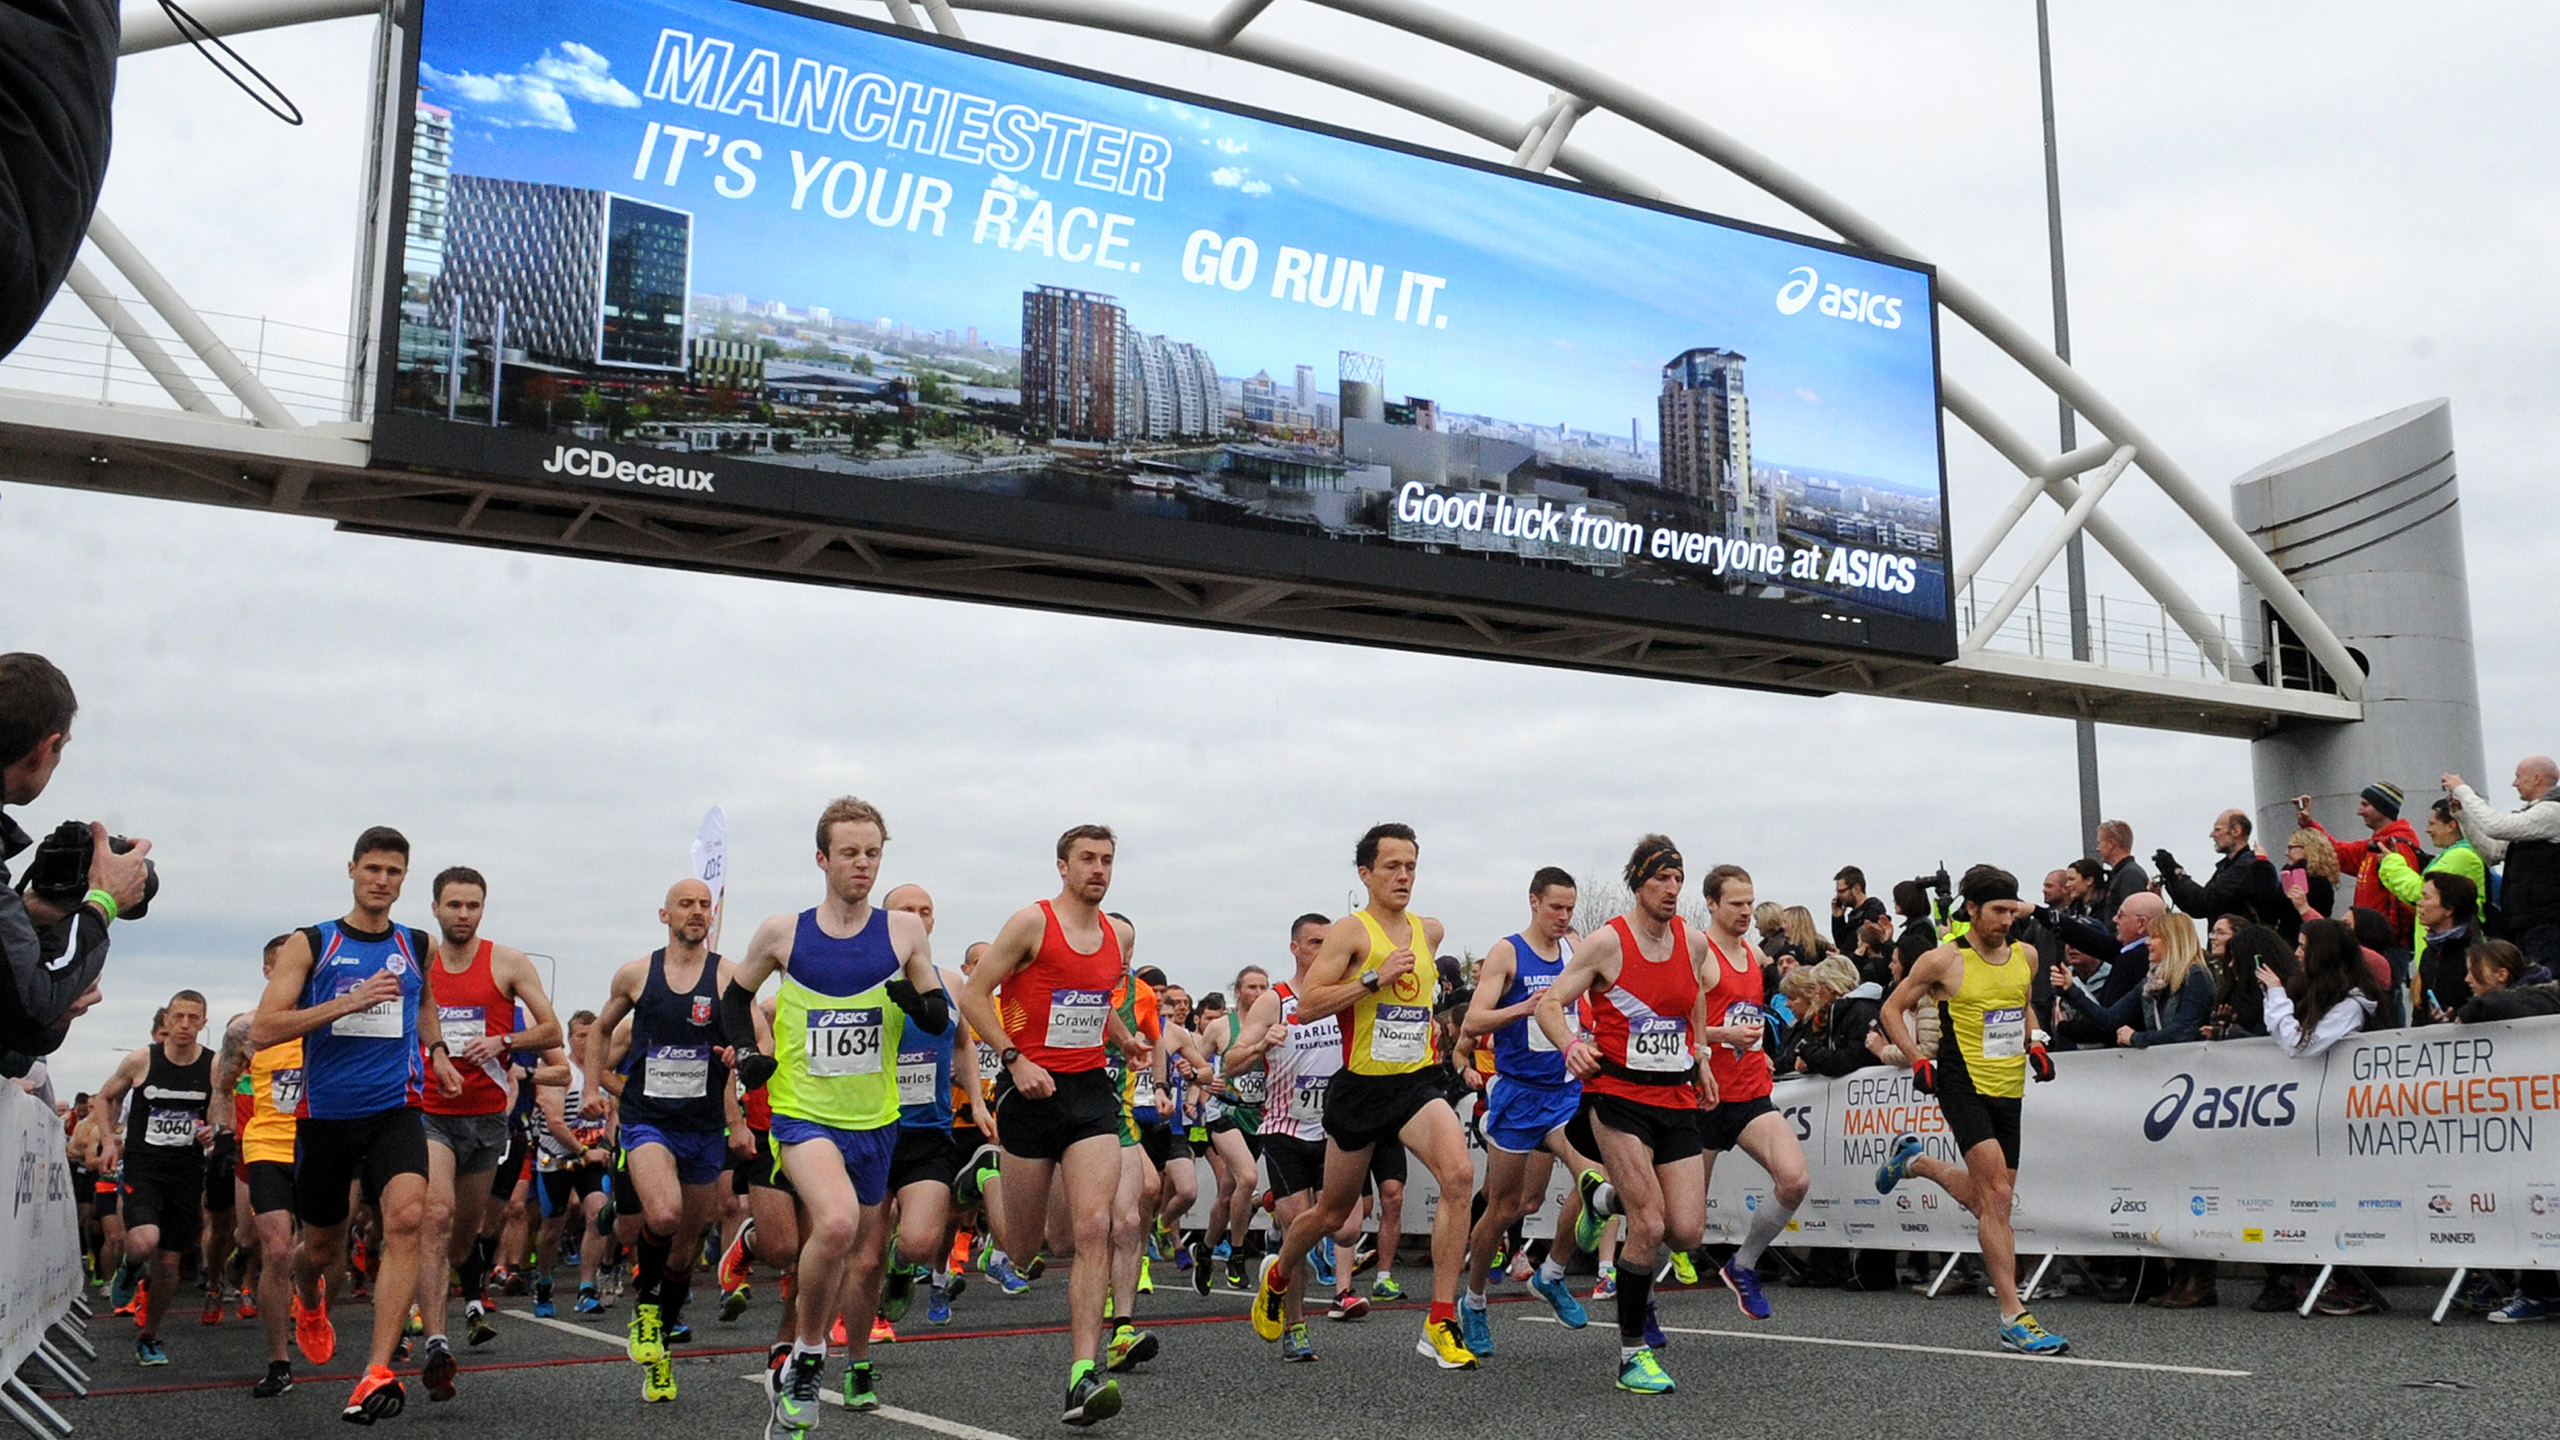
1864	306
2223	1107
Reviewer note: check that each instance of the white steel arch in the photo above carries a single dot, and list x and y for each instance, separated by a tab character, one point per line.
2233	701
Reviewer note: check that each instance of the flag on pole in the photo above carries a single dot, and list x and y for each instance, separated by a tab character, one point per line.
711	863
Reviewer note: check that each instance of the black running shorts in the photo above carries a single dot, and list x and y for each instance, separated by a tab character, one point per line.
1671	1131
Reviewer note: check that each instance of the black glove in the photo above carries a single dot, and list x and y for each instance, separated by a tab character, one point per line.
1924	1077
2039	1062
754	1069
2163	864
932	1013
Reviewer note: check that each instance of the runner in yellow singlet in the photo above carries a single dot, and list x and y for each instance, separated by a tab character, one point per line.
1378	972
1987	1043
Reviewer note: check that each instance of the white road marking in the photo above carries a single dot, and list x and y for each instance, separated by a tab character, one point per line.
1937	1350
602	1337
916	1418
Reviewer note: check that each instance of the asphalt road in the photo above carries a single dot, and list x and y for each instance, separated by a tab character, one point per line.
1829	1364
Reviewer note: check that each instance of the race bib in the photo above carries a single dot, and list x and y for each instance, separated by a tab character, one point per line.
1538	1040
2004	1034
1659	1044
1400	1034
168	1127
919	1078
1249	1087
462	1024
1306	1101
677	1072
844	1042
1075	1018
1743	1012
374	1022
284	1090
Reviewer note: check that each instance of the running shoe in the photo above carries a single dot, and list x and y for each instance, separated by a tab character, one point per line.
248	1305
647	1332
1348	1305
954	1283
1091	1396
313	1332
122	1289
378	1396
1236	1274
975	1176
1130	1347
1364	1253
415	1325
795	1401
543	1309
1642	1374
1203	1279
1683	1269
1441	1344
1745	1285
2025	1336
1588	1222
1475	1326
278	1381
1038	1267
1269	1317
776	1356
1559	1297
1897	1165
1000	1270
835	1333
1606	1287
733	1303
679	1333
1146	1276
438	1376
1321	1258
1386	1288
589	1302
1296	1347
511	1280
476	1326
861	1386
2523	1309
937	1306
400	1351
213	1305
658	1381
897	1293
1522	1267
1222	1252
1653	1335
737	1263
148	1351
882	1332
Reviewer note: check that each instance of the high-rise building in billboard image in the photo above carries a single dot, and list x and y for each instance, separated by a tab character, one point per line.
1070	365
588	278
1706	439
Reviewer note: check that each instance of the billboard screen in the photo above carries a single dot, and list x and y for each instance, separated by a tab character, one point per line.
744	256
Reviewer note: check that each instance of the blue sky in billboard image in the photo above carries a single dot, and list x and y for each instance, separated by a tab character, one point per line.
1558	307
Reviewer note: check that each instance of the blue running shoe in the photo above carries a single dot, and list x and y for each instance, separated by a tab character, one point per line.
1296	1348
1322	1258
128	1281
1475	1329
1745	1285
1653	1335
543	1309
1897	1166
2523	1309
1000	1270
1644	1375
937	1308
1559	1295
589	1302
1221	1252
2027	1337
148	1351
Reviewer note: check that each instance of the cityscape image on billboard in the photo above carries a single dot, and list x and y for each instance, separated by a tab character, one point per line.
682	240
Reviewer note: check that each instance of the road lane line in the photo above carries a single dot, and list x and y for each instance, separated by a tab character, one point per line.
1940	1350
903	1416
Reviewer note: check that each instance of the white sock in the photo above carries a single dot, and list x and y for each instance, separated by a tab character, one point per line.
997	1257
817	1351
1766	1225
1628	1352
1551	1270
941	1279
1604	1199
1475	1299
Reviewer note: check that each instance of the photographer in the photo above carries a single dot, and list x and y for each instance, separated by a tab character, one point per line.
53	930
2243	885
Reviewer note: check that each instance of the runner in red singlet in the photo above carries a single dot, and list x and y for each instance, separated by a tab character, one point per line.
1735	1034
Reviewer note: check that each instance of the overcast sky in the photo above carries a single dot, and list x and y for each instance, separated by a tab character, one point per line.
2282	218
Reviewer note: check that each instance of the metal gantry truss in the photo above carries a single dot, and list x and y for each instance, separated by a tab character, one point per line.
270	460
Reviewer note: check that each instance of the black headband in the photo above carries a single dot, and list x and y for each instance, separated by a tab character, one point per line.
1987	889
1649	863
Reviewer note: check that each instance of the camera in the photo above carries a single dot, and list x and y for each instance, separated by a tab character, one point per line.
59	871
1938	880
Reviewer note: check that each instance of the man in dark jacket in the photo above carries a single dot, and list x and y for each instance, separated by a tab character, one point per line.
2125	877
2243	885
1851	907
57	83
2111	964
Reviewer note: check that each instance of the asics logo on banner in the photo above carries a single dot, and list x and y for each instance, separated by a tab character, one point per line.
1865	306
2222	1107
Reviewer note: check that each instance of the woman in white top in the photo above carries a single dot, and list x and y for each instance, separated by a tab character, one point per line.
2329	998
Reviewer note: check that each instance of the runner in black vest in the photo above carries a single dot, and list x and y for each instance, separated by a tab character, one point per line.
171	1082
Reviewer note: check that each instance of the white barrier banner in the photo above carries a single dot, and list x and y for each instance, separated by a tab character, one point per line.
2431	1148
1847	1126
40	1266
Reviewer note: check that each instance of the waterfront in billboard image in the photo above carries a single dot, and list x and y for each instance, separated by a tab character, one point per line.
722	230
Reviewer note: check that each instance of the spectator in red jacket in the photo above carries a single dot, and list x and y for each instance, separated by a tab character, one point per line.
2379	808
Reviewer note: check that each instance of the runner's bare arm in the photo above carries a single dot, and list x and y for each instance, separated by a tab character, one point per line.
1333	981
1592	962
280	1016
1012	949
768	950
964	1074
1261	1030
229	1065
1485	1013
1705	1074
519	981
129	1072
619	999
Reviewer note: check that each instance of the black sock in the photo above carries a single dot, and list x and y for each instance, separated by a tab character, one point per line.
653	1264
674	1288
475	1267
1635	1287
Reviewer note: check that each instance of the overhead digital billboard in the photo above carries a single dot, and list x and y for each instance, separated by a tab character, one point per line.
748	256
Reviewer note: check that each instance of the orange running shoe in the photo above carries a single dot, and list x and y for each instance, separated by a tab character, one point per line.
248	1305
836	1335
313	1332
961	1245
378	1396
882	1332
